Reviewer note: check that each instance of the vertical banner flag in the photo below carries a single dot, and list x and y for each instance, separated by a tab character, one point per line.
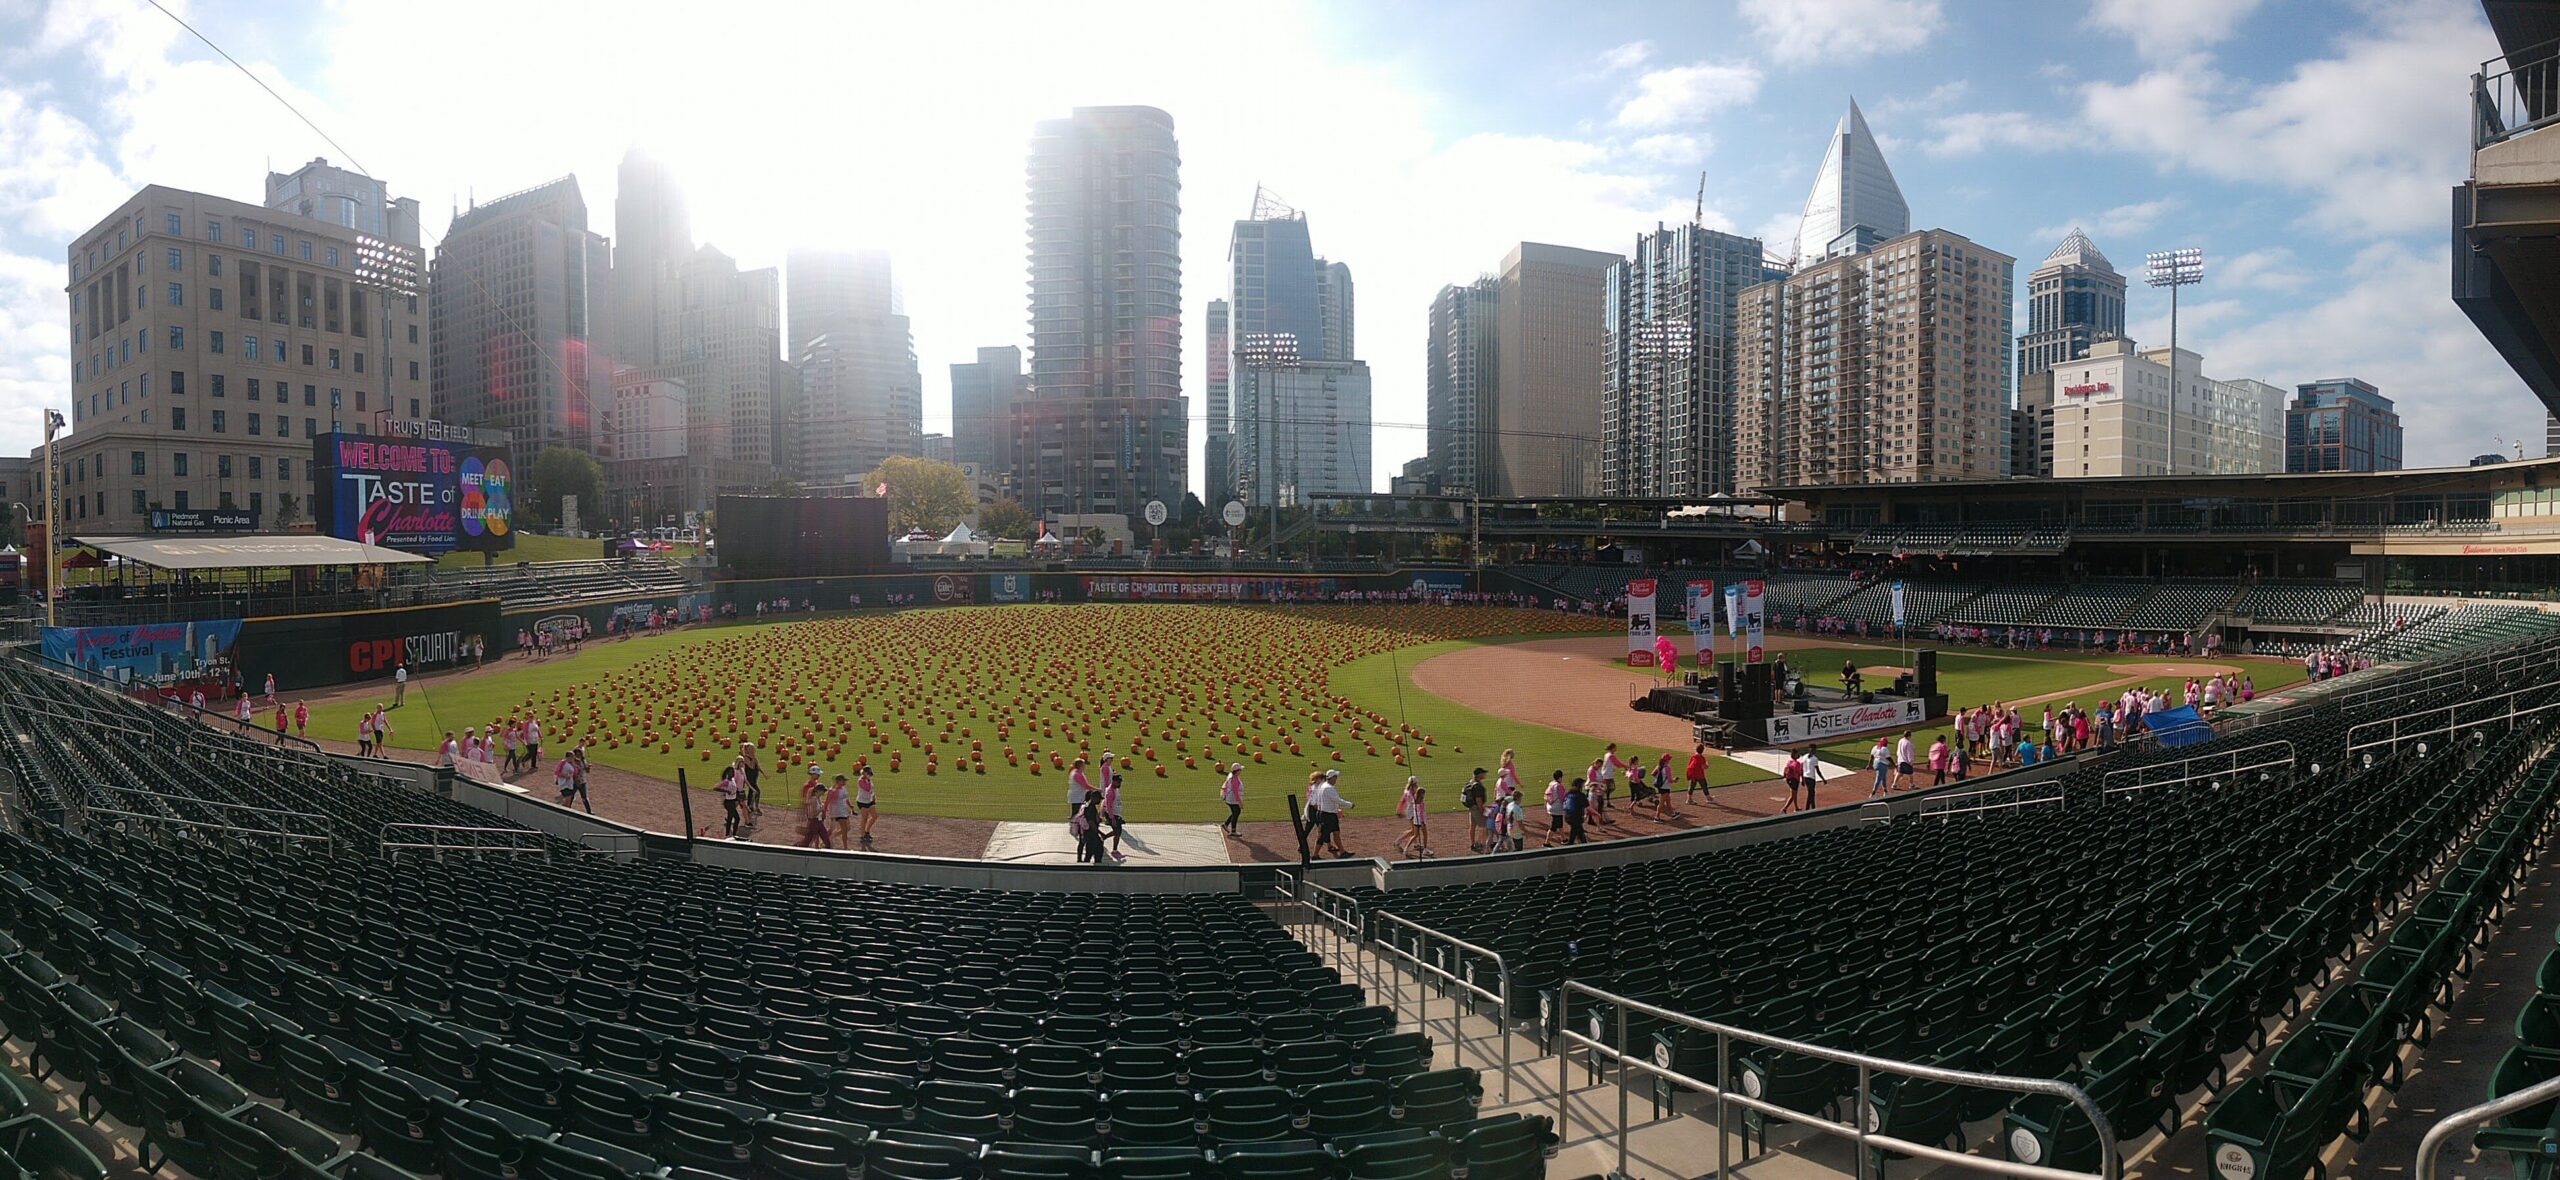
1754	594
1640	622
1699	611
1897	604
1732	609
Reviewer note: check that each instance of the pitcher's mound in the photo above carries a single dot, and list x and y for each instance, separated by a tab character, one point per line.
1047	842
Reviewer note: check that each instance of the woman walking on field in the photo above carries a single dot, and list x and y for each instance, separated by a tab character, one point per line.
1231	793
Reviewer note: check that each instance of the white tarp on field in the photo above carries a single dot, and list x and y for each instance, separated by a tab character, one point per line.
1043	842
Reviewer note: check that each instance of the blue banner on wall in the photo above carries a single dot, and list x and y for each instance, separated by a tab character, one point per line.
1009	587
146	651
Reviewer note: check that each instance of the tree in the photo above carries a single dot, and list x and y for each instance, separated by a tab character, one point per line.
923	494
288	509
557	472
1007	519
783	485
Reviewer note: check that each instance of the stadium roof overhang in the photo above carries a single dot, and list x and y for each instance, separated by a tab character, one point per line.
285	551
2322	485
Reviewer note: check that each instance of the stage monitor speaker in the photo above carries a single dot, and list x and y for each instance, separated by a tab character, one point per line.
1927	669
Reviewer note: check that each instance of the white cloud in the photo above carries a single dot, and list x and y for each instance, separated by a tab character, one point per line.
1803	32
1973	132
2369	137
1688	94
2164	29
2115	223
1627	56
1672	148
1937	99
2271	269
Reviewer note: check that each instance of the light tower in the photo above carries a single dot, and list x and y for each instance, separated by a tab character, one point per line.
2173	269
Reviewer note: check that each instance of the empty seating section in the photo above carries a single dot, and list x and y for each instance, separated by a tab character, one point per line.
1791	595
2181	605
1923	603
2275	600
551	583
2007	604
2101	602
486	1016
2126	940
1961	540
2465	626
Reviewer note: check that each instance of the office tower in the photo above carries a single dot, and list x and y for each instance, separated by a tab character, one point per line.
649	477
1543	430
1854	203
1301	424
982	396
1333	301
1458	384
861	395
1217	478
350	200
211	340
725	325
517	285
1666	409
1890	365
2341	424
1104	430
1275	288
2111	414
2075	298
652	235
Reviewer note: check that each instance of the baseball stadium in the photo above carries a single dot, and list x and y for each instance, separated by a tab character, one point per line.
2081	829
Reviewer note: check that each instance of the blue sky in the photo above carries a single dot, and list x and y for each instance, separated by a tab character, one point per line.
2307	147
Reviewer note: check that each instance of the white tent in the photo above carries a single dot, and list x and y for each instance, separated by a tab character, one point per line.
960	535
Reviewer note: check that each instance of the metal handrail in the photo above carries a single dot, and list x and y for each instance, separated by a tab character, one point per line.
2451	725
91	813
2111	1162
2474	1117
2291	758
524	840
1934	807
2508	102
321	821
1500	995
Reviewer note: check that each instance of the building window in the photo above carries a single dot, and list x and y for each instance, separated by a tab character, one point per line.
257	499
311	395
213	298
333	256
311	428
333	358
222	466
306	249
413	328
177	338
177	294
413	407
257	467
284	469
284	426
249	347
178	463
306	354
275	243
140	464
177	228
359	362
256	422
177	259
217	421
213	341
279	349
413	370
178	421
217	385
177	383
138	507
181	502
360	401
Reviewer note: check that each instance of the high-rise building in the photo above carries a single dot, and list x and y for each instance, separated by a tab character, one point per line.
1334	303
725	325
1217	471
2075	298
651	472
1105	429
1458	384
983	393
1854	203
1887	366
1301	424
1883	357
2341	424
211	340
861	395
348	199
652	235
2112	415
1666	406
518	284
1549	345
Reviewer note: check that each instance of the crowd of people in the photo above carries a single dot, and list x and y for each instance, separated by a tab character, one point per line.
1499	813
2325	663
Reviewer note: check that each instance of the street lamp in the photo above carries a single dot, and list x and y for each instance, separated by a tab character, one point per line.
2173	269
53	425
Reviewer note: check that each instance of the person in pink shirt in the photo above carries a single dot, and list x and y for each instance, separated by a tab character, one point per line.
1111	811
283	718
1938	761
302	719
1231	793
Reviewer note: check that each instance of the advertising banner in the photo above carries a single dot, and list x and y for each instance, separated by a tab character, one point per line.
204	520
1897	604
1732	609
145	652
1700	610
1822	725
1640	628
1439	582
1754	596
1008	587
420	495
1165	587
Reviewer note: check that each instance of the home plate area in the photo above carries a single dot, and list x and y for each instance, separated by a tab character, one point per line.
1047	842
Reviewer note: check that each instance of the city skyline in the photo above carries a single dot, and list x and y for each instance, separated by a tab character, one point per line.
2320	213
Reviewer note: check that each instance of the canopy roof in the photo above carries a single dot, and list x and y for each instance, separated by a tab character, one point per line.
280	551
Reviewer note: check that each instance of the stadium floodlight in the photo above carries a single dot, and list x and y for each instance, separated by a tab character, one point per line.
2173	269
